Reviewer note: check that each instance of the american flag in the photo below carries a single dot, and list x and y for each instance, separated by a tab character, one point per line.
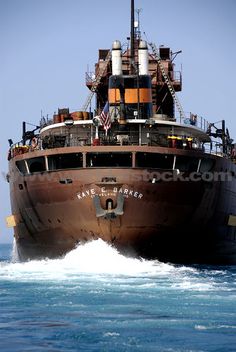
105	117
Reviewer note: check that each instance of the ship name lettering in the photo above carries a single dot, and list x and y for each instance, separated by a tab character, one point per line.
88	192
104	192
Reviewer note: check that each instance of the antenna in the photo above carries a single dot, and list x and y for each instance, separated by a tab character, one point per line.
138	32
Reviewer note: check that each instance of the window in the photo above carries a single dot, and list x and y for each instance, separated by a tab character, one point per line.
207	165
154	160
36	164
186	163
111	159
65	161
21	166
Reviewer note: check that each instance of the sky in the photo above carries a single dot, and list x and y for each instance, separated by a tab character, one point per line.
47	46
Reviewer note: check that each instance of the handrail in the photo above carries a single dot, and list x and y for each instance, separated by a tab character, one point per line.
194	120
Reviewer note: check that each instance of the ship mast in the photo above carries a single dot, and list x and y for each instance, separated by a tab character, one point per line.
132	39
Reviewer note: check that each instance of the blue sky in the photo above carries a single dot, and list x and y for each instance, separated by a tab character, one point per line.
48	45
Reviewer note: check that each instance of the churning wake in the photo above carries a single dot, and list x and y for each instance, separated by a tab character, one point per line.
95	257
98	259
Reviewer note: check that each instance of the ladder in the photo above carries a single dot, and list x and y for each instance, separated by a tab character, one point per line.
167	81
96	82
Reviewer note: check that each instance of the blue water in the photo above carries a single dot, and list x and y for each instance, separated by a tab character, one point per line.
94	299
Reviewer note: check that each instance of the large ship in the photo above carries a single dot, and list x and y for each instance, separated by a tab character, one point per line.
137	172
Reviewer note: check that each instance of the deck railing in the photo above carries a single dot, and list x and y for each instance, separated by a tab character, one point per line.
194	120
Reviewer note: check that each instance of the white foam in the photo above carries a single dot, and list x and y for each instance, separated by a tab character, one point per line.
95	257
194	284
100	257
212	327
99	260
111	334
14	253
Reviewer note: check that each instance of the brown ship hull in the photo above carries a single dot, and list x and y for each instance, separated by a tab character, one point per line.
170	220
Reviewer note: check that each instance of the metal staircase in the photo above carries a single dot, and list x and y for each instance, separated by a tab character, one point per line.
167	81
96	82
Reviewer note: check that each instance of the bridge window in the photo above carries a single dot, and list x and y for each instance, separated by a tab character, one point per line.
21	167
112	159
154	160
65	161
186	163
207	165
36	164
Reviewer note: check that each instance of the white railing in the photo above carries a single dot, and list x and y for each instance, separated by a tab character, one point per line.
194	120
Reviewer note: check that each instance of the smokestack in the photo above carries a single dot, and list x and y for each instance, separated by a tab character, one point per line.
116	58
143	58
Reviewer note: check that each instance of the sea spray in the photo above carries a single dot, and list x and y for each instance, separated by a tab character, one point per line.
14	253
98	259
95	257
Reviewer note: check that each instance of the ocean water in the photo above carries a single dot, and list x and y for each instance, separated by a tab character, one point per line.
95	299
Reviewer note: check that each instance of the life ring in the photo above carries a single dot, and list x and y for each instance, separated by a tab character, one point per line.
34	142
